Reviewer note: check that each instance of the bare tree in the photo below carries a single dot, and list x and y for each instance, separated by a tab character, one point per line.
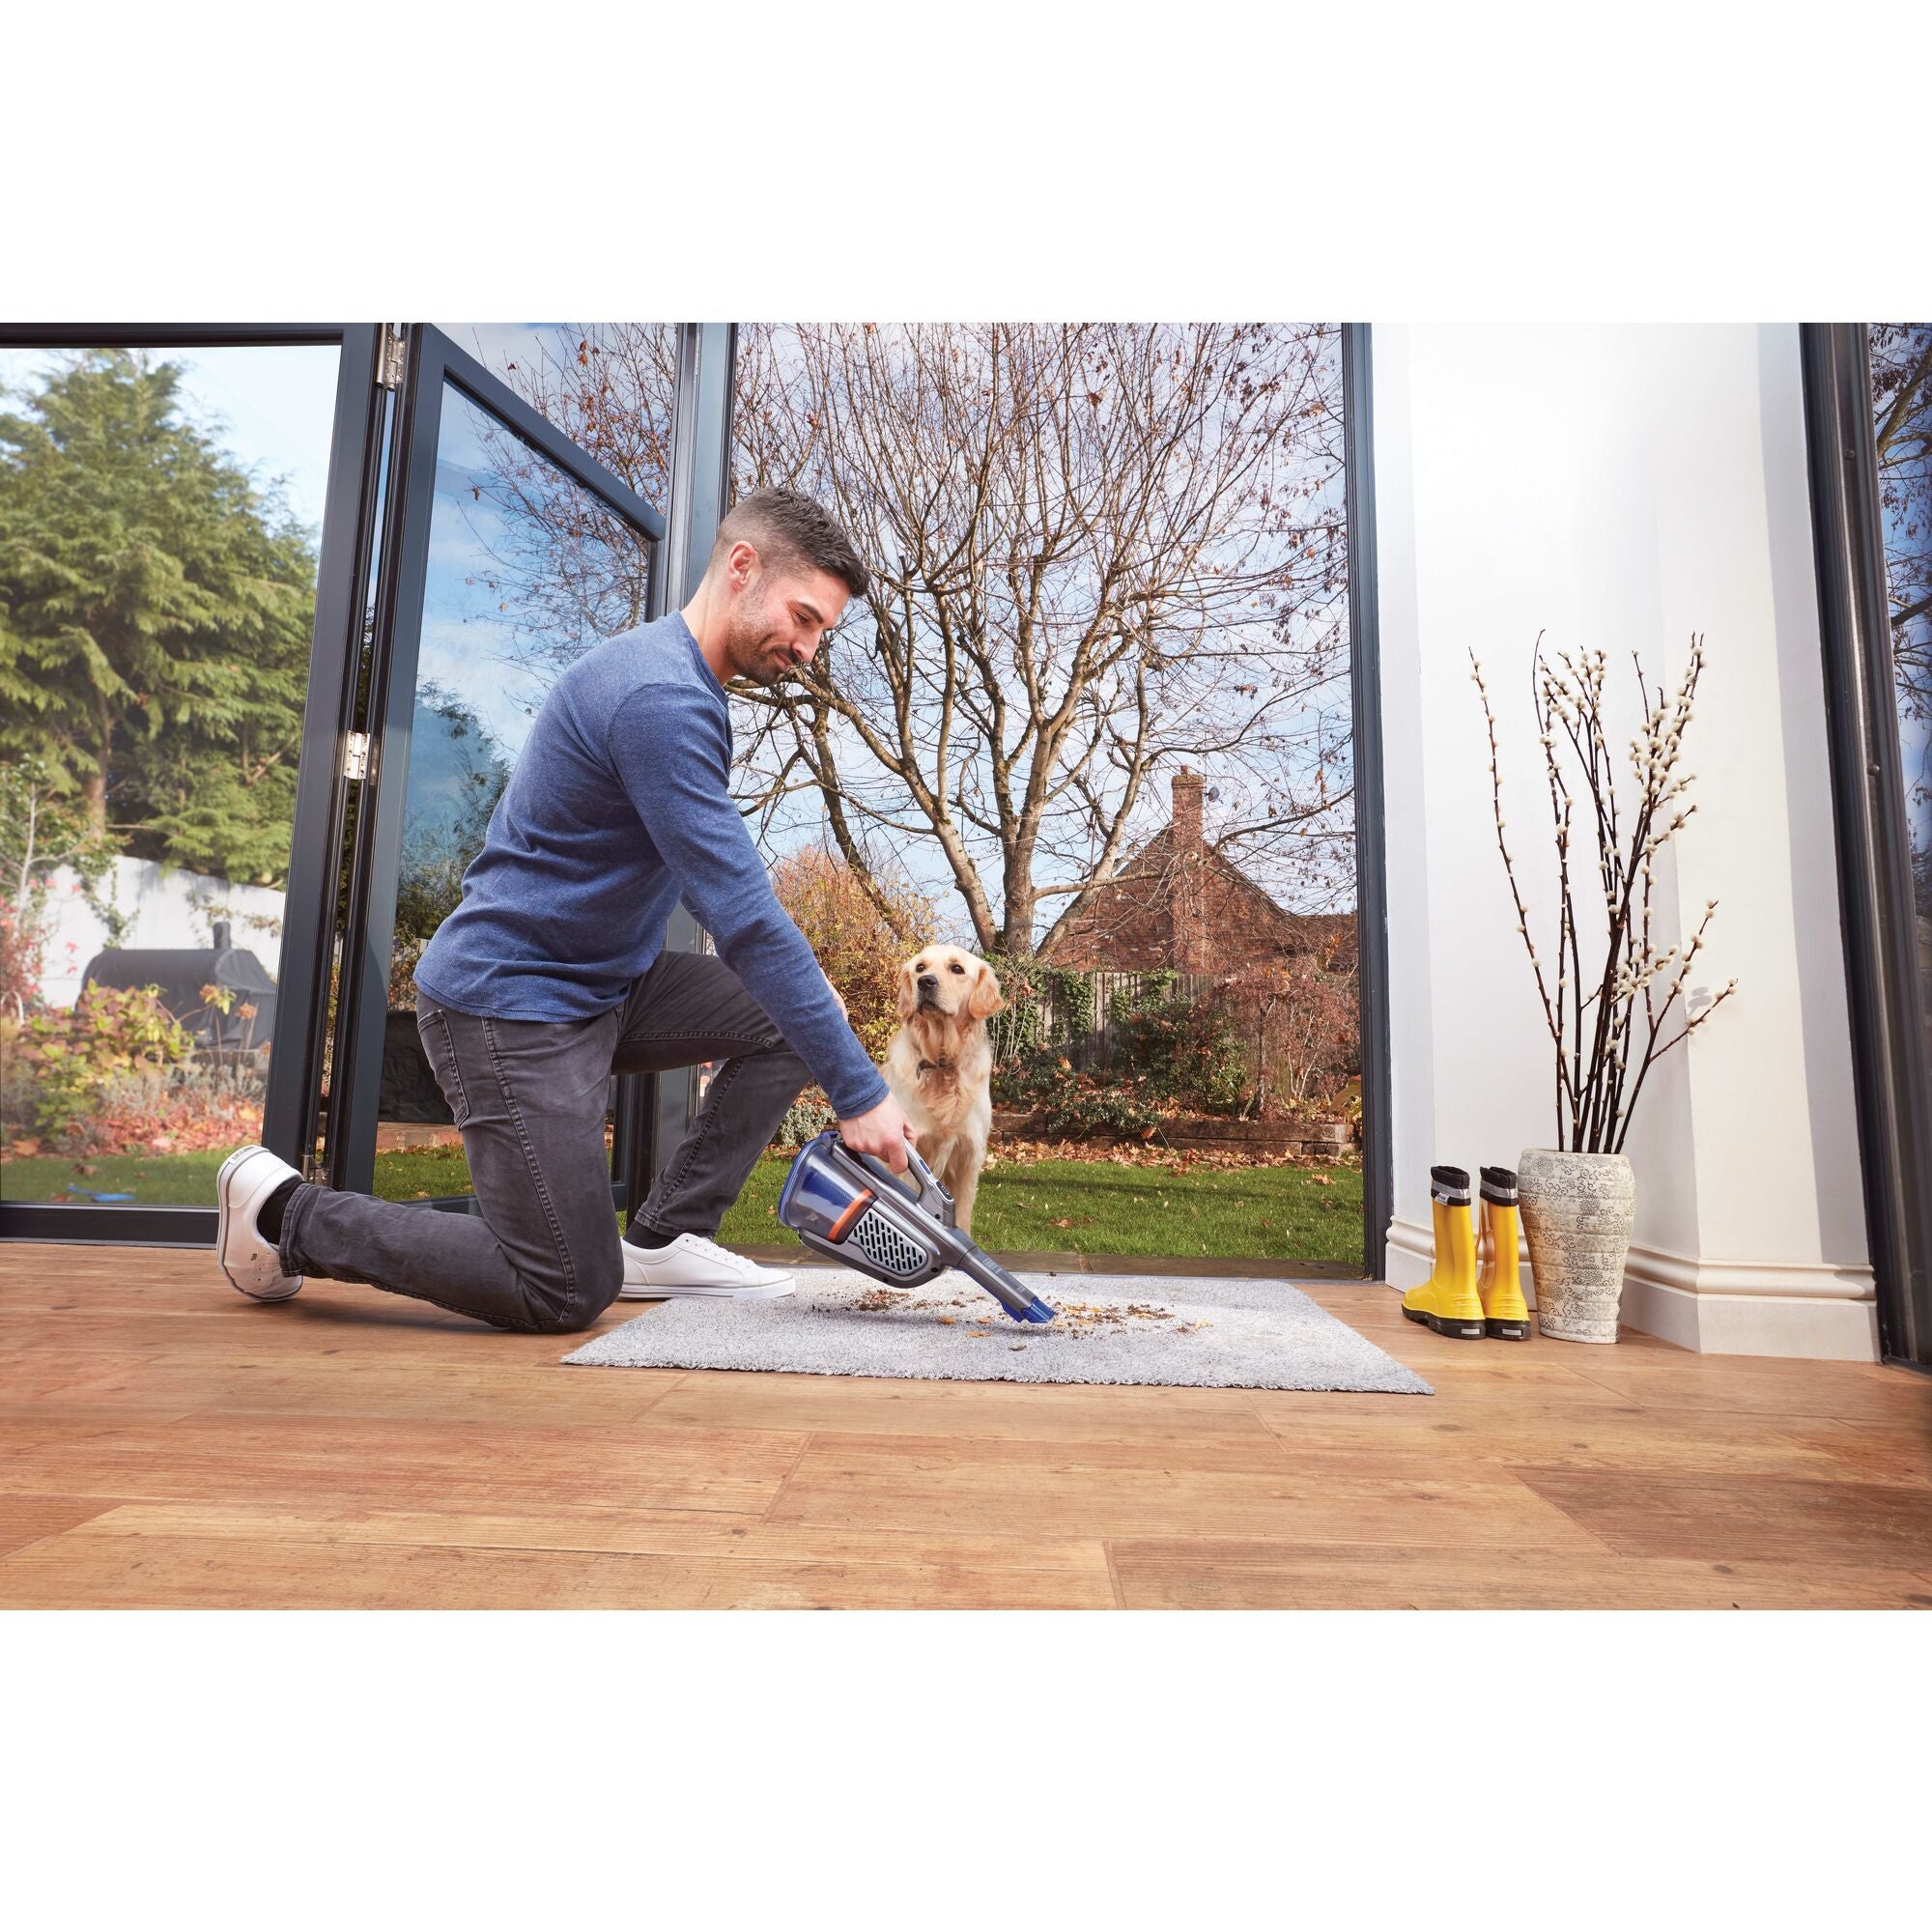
1097	549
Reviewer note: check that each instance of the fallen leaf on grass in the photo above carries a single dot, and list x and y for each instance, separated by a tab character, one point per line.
1022	1152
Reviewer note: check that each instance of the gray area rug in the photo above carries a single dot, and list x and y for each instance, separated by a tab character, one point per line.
1164	1331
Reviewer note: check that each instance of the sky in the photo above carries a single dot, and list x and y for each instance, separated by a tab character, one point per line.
467	639
272	408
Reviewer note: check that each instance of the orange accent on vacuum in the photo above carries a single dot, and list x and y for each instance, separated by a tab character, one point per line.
857	1206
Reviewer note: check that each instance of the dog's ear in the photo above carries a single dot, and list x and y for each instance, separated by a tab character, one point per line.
908	997
985	999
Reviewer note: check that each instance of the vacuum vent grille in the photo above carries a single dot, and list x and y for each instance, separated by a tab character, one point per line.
885	1248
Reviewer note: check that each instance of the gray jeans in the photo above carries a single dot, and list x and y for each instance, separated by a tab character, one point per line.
529	1096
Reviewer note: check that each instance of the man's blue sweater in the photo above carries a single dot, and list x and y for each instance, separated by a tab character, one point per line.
620	802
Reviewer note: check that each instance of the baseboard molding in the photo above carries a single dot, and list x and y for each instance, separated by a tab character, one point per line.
1725	1306
1818	1311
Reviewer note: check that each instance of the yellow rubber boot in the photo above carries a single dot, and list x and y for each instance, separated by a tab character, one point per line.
1448	1301
1500	1270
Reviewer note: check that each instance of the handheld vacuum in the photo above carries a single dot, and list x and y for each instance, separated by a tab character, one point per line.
854	1208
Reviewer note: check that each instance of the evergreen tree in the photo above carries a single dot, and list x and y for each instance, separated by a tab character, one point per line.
155	616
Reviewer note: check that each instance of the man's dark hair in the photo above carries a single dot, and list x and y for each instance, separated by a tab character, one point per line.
787	530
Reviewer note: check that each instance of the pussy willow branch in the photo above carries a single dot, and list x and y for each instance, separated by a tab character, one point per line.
1596	1095
1571	974
1620	881
1617	881
1666	733
1551	1016
1628	1012
1653	1051
1577	702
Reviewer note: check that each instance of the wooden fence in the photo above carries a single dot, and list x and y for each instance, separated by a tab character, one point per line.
1114	995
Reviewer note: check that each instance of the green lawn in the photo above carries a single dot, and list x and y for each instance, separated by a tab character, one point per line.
187	1180
154	1180
1274	1213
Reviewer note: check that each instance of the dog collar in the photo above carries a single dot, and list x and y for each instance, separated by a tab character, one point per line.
941	1066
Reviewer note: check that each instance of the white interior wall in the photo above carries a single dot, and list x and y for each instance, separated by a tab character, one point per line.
1619	488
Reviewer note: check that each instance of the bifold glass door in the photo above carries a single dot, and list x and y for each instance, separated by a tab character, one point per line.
178	569
508	552
340	567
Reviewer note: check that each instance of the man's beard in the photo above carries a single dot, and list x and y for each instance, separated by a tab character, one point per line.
753	652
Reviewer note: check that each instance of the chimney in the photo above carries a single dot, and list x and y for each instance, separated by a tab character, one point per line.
1187	810
1190	915
221	935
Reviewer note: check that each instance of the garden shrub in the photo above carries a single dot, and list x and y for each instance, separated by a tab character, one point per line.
21	940
1187	1050
68	1057
200	1103
858	942
809	1114
1171	1055
1301	1029
17	1080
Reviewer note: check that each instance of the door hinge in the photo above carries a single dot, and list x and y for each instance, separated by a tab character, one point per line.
355	755
394	354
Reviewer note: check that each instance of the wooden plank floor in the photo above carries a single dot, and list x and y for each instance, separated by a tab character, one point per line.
164	1441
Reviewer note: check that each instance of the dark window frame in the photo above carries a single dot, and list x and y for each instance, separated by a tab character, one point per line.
433	362
332	662
368	472
1371	840
1892	1080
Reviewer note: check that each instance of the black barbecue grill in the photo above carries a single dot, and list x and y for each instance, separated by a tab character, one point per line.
181	972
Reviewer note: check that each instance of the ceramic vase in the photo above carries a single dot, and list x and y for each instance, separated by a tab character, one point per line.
1576	1214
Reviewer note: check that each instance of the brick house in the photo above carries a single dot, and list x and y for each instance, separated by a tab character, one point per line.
1177	902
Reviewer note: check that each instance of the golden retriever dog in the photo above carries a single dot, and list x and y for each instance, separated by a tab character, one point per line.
939	1066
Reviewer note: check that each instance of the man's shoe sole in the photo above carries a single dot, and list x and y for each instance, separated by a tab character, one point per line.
674	1290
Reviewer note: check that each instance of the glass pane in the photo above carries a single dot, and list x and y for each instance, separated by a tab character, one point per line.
1901	365
526	572
610	386
1146	550
161	516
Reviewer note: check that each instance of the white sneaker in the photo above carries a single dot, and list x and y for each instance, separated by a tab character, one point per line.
693	1265
247	1178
